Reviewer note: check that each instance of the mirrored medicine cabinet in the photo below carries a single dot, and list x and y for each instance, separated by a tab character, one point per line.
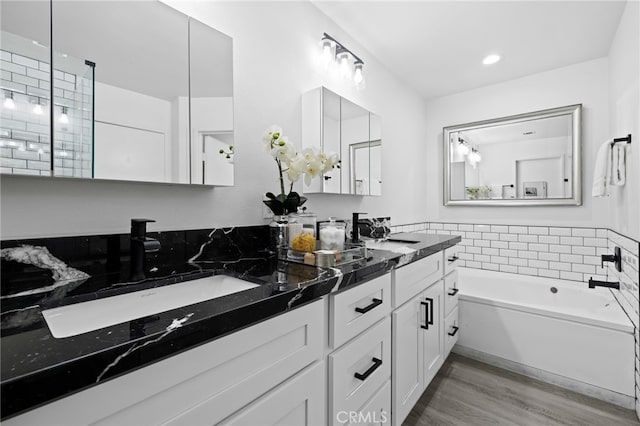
138	92
520	160
332	123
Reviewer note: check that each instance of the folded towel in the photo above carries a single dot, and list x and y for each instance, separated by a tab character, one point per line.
618	164
602	171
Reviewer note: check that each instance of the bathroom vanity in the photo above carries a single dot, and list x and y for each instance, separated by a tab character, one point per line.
298	344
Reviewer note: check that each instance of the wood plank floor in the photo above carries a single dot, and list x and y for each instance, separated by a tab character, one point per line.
468	392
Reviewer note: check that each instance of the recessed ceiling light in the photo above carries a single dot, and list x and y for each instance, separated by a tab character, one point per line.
491	59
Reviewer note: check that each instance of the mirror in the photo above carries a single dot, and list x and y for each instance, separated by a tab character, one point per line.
526	159
332	123
141	92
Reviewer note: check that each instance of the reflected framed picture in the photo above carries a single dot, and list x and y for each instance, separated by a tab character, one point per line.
534	189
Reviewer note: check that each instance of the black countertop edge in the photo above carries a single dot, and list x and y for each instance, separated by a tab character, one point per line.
204	322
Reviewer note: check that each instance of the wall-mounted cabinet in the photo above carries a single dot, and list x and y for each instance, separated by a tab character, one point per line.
133	91
332	123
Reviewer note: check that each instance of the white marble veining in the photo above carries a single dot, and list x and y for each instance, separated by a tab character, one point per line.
175	324
42	258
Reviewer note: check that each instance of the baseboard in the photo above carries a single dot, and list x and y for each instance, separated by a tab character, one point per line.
612	397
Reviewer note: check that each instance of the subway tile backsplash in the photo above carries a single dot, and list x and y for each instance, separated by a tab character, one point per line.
549	251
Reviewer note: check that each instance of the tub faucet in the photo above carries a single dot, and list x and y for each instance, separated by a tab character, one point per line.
140	245
594	283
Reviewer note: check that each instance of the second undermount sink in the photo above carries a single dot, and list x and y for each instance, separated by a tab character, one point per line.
71	320
391	244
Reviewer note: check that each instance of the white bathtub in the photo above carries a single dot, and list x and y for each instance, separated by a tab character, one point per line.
576	337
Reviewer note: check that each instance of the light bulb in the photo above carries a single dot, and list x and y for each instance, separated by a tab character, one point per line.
463	148
37	109
64	118
326	52
8	101
344	65
357	75
474	156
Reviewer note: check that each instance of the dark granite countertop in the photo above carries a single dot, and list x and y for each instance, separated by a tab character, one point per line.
38	368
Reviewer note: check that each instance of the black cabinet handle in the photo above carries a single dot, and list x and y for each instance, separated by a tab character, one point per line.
455	330
453	258
426	316
428	299
367	308
376	363
453	292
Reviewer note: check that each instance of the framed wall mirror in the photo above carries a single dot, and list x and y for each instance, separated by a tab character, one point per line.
526	159
139	92
332	123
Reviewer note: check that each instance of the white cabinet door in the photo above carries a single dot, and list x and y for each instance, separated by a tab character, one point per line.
297	402
433	335
406	373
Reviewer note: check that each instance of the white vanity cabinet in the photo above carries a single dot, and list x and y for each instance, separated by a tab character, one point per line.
417	330
272	371
424	326
359	354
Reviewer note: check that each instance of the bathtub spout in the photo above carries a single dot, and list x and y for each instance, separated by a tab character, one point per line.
594	283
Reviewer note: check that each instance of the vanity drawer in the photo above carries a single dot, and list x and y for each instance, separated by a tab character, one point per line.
451	260
450	292
359	368
356	309
451	331
415	277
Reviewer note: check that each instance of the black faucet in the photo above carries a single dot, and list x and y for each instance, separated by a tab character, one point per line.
355	229
140	245
594	283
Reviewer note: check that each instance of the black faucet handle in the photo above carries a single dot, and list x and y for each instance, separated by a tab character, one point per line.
139	227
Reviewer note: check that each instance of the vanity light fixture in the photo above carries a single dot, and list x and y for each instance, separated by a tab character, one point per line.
491	59
8	100
463	147
64	118
474	157
333	50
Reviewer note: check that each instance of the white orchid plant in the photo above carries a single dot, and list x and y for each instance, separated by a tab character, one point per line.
309	163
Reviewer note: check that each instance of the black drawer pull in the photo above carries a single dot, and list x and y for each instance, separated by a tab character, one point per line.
455	330
376	363
453	292
453	259
373	304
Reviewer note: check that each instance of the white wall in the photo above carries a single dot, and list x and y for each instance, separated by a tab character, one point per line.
585	83
624	74
275	61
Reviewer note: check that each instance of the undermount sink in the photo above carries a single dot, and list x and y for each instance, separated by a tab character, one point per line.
390	244
71	320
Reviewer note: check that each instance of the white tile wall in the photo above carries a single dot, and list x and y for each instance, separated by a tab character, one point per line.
629	279
24	136
559	252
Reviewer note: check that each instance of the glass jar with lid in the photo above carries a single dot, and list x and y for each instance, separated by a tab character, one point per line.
302	231
332	235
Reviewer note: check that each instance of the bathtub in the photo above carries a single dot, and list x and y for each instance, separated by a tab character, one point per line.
557	331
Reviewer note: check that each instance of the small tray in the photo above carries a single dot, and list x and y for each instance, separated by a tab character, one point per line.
350	255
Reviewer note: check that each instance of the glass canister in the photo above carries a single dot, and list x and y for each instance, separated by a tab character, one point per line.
302	231
278	235
332	235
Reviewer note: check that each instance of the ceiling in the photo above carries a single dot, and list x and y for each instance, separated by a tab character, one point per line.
521	131
437	47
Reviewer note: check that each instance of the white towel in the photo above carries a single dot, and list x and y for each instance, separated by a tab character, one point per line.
618	164
602	171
